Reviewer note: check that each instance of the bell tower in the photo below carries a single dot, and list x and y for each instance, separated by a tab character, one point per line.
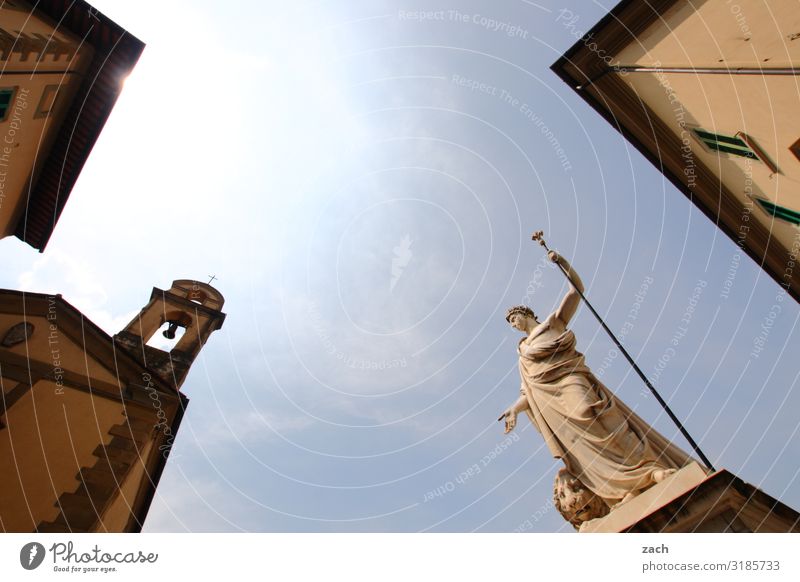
194	306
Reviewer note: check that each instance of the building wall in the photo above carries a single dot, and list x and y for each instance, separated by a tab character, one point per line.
721	33
50	435
118	514
51	348
44	68
77	422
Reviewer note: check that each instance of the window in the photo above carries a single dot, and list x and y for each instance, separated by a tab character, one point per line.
791	216
17	334
47	102
6	98
726	144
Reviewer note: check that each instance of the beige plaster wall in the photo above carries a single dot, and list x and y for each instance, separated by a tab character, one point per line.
116	517
738	33
24	138
51	346
50	434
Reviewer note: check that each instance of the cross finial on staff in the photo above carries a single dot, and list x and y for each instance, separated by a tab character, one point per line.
211	279
539	237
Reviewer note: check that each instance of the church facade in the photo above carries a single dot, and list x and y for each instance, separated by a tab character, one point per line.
87	421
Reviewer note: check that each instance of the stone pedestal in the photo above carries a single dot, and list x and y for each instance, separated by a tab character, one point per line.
692	501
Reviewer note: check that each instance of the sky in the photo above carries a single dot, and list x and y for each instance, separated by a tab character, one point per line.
362	178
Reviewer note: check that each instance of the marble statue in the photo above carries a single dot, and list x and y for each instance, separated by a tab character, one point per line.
609	452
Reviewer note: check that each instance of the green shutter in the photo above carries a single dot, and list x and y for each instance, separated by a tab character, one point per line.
791	216
5	102
725	144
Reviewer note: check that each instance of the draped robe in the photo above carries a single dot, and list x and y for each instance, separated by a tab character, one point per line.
611	450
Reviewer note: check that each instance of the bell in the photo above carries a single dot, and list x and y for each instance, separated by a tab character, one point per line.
169	333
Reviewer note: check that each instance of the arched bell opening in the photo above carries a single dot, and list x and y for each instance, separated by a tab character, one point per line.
174	325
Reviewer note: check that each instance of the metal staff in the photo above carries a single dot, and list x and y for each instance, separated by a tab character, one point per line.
538	236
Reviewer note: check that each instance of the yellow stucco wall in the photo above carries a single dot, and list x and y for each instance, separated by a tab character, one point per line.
116	517
720	33
24	138
65	423
54	348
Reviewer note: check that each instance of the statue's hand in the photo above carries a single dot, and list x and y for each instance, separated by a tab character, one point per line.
511	420
553	256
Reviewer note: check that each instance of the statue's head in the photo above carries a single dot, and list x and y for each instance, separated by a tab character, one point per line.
518	315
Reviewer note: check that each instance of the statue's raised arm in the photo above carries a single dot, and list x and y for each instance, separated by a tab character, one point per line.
572	299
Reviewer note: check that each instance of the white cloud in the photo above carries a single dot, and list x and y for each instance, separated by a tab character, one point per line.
78	283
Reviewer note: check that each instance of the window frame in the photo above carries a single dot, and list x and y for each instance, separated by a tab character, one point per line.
47	92
13	96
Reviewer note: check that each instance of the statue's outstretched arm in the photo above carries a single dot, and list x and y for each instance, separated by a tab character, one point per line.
510	415
569	305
